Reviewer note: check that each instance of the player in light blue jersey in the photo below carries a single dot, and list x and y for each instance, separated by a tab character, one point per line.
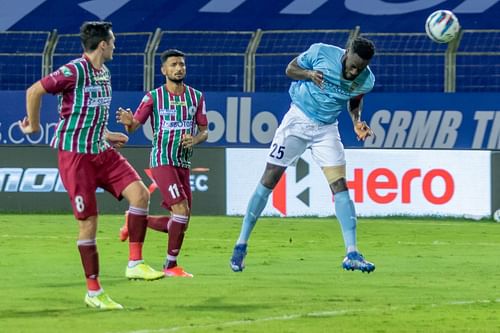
327	79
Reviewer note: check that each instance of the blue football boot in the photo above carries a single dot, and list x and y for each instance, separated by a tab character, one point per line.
239	253
354	260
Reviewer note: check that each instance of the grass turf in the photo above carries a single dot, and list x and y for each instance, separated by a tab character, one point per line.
431	276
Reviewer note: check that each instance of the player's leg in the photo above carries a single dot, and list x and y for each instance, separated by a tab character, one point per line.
328	152
258	200
87	246
119	178
256	205
77	175
155	222
346	214
287	146
174	185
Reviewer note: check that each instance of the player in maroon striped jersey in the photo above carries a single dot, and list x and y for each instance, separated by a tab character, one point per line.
86	155
178	118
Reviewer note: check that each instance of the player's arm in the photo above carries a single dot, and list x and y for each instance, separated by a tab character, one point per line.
295	72
188	141
355	106
125	117
34	94
116	139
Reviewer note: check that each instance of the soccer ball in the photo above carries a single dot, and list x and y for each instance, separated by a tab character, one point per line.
496	215
442	26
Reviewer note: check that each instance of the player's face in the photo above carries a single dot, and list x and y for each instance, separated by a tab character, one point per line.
108	47
353	65
174	68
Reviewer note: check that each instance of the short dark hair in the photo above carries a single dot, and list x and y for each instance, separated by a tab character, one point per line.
363	47
94	32
171	53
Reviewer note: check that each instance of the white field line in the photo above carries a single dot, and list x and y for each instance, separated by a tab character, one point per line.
247	322
444	243
45	237
335	313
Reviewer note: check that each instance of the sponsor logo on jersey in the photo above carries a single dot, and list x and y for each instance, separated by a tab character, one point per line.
177	103
176	124
101	77
99	101
167	112
93	89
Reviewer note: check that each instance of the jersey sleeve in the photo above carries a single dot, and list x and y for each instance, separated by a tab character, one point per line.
308	59
201	113
60	80
145	109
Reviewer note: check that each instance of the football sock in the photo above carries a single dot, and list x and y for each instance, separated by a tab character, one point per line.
137	225
133	263
255	207
93	293
170	262
158	223
346	214
90	262
177	227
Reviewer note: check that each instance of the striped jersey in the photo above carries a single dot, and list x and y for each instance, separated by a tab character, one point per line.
84	95
172	116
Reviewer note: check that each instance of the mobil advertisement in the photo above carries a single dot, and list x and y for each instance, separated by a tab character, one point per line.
30	181
381	182
244	120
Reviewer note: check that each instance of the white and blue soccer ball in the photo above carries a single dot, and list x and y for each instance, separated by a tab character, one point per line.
442	26
496	215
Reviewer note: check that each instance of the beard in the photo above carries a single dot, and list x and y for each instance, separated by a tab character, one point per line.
175	80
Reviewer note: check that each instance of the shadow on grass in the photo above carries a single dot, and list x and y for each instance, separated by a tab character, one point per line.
218	304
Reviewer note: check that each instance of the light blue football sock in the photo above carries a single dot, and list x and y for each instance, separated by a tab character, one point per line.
346	214
255	207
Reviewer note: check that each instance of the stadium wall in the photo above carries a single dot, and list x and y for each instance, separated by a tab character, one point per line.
382	182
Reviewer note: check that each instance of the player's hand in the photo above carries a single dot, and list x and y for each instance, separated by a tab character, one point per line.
362	130
124	116
26	127
187	141
317	78
116	139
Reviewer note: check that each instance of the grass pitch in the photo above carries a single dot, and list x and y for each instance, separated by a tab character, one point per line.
431	276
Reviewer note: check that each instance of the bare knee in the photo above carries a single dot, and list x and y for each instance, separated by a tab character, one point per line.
137	195
182	208
272	175
143	196
88	228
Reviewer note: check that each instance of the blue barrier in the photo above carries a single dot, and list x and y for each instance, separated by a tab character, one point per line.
406	120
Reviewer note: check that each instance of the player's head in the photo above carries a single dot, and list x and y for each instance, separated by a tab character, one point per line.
173	65
97	35
357	57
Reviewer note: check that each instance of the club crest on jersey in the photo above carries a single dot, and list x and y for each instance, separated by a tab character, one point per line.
192	110
353	86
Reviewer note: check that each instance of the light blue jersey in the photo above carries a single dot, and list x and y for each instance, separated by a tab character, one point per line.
324	105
